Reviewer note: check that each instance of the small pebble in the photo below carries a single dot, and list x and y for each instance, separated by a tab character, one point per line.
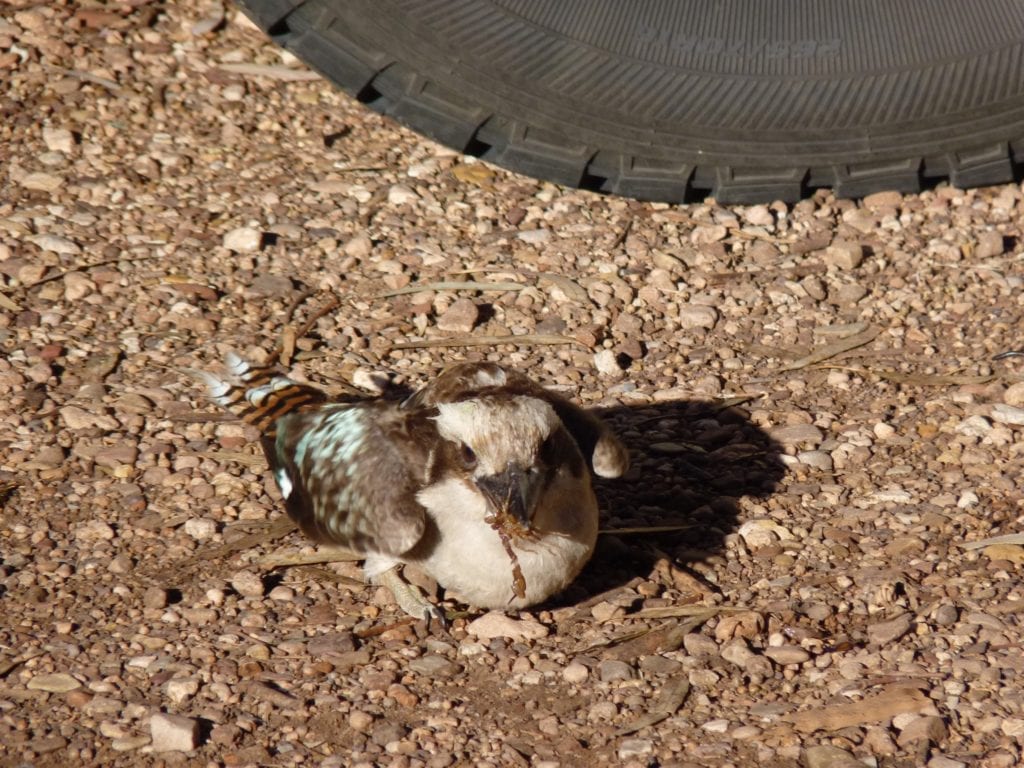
692	316
787	654
243	240
886	632
1008	414
248	584
54	683
827	756
607	363
634	748
460	317
575	673
496	624
58	139
155	598
173	733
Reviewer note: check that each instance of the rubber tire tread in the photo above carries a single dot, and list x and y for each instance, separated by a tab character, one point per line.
747	101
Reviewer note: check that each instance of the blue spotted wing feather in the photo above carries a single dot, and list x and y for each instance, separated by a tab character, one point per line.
343	468
348	481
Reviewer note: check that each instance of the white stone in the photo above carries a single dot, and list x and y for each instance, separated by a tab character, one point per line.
711	234
606	362
738	652
1008	414
697	316
128	743
243	239
93	530
575	673
844	254
759	216
534	236
762	533
79	418
172	733
200	528
495	624
716	726
58	139
42	182
630	748
1013	727
974	426
179	690
77	286
967	499
817	459
787	654
359	247
233	92
883	431
1014	394
57	682
400	194
247	584
56	244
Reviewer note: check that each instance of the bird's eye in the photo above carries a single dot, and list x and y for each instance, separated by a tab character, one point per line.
547	451
467	456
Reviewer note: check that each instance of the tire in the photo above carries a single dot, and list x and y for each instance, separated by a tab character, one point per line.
674	100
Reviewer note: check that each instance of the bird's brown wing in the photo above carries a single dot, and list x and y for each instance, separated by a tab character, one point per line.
348	471
350	474
605	454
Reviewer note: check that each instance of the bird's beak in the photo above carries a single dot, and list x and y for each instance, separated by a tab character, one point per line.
514	492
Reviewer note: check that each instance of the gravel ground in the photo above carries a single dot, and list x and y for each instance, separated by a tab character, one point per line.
809	393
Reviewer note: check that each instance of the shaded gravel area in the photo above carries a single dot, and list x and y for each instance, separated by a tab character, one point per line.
811	396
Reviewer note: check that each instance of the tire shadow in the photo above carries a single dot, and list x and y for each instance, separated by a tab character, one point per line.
692	463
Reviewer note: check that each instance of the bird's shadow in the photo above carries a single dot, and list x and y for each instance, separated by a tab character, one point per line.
692	463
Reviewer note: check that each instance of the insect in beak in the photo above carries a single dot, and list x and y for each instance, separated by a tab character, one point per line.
512	493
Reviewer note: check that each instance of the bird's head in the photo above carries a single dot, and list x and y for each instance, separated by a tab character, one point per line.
508	447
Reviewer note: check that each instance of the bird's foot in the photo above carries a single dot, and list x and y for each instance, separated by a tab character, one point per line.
410	599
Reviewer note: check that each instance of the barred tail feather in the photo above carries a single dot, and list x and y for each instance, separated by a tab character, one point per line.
256	394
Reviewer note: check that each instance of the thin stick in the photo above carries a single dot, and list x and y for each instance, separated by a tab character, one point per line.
331	304
451	285
1010	538
831	350
485	341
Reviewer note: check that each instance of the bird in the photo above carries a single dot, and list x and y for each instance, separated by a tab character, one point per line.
481	478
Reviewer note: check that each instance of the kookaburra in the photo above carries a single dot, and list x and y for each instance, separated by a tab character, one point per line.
481	478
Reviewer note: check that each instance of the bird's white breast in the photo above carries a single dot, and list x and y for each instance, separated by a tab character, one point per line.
468	557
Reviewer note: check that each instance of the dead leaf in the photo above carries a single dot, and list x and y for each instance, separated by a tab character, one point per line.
895	701
477	174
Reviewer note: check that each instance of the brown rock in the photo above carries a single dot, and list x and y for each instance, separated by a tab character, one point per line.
460	317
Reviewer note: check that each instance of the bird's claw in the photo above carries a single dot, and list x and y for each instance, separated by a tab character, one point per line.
433	615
